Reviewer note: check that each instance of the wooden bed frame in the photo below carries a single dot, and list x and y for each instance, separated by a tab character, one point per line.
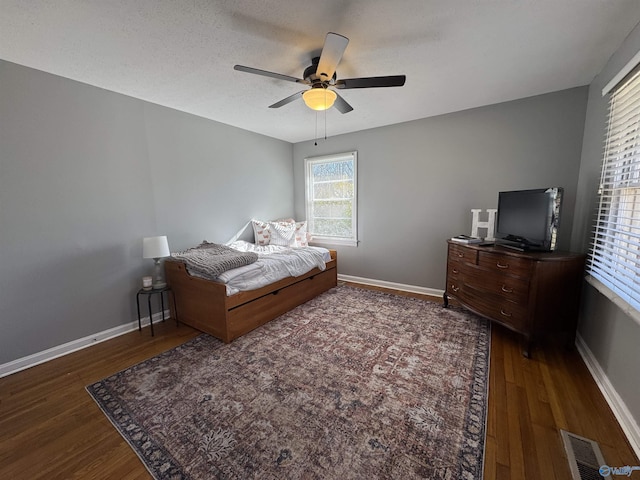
204	304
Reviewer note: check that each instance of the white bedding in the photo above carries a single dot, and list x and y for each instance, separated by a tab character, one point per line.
274	263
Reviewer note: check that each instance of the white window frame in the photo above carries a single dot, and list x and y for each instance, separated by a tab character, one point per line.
614	258
309	162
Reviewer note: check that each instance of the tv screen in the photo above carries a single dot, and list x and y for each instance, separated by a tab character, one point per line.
528	219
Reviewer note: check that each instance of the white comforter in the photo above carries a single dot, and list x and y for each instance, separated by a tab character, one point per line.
274	263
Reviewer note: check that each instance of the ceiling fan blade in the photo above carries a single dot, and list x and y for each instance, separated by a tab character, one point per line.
334	47
265	73
371	82
341	105
289	99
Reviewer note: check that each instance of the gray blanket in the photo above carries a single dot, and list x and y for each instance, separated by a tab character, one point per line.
211	259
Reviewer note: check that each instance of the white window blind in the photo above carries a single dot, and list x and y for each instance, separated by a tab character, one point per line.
614	259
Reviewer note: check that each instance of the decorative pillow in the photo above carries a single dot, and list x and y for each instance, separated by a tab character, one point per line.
302	237
261	233
282	233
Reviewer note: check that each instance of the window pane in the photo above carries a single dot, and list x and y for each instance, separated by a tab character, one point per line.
323	190
332	208
340	228
332	170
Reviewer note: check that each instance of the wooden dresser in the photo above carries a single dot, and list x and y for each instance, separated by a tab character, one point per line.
533	293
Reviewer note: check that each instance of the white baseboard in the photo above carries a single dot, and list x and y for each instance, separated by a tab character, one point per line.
619	408
64	349
433	292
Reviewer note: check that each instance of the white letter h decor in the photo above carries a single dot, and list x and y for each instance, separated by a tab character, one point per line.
489	224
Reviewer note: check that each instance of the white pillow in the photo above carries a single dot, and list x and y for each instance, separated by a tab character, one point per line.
282	233
261	233
302	238
285	232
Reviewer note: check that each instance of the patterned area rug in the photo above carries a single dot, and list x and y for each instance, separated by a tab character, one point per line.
355	384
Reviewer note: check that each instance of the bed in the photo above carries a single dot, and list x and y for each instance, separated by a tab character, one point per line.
229	311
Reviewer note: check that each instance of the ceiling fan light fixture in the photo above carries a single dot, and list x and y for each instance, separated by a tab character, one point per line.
319	98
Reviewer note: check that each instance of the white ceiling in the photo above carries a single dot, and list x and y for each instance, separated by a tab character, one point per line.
456	54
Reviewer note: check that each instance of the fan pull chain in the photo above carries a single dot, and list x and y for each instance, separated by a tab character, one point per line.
316	139
325	119
325	124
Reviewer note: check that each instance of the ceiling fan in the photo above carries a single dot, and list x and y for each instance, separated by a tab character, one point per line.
321	76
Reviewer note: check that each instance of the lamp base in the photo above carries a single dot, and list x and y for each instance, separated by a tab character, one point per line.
158	280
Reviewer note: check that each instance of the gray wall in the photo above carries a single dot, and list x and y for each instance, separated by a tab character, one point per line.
611	335
418	181
85	174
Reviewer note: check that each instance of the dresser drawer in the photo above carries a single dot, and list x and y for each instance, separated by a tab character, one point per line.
460	253
455	270
510	314
454	286
505	264
457	289
497	308
508	287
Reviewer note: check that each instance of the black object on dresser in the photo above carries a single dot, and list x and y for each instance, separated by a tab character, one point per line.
533	293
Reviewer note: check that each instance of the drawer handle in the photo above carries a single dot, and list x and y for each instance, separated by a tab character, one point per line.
454	288
507	290
455	270
461	255
506	314
499	265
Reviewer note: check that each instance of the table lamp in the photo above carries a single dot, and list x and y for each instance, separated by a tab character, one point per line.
156	248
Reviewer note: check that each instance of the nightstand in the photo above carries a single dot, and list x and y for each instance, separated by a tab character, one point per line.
149	294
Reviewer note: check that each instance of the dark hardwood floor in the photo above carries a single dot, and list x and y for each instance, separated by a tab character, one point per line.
50	427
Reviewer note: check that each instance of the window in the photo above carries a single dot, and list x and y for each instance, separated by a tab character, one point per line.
614	259
331	198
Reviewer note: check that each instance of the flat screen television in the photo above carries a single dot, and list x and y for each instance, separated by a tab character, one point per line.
528	219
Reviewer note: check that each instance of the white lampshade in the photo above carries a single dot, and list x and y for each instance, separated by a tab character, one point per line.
319	98
155	247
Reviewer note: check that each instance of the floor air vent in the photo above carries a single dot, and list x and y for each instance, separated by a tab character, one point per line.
585	457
